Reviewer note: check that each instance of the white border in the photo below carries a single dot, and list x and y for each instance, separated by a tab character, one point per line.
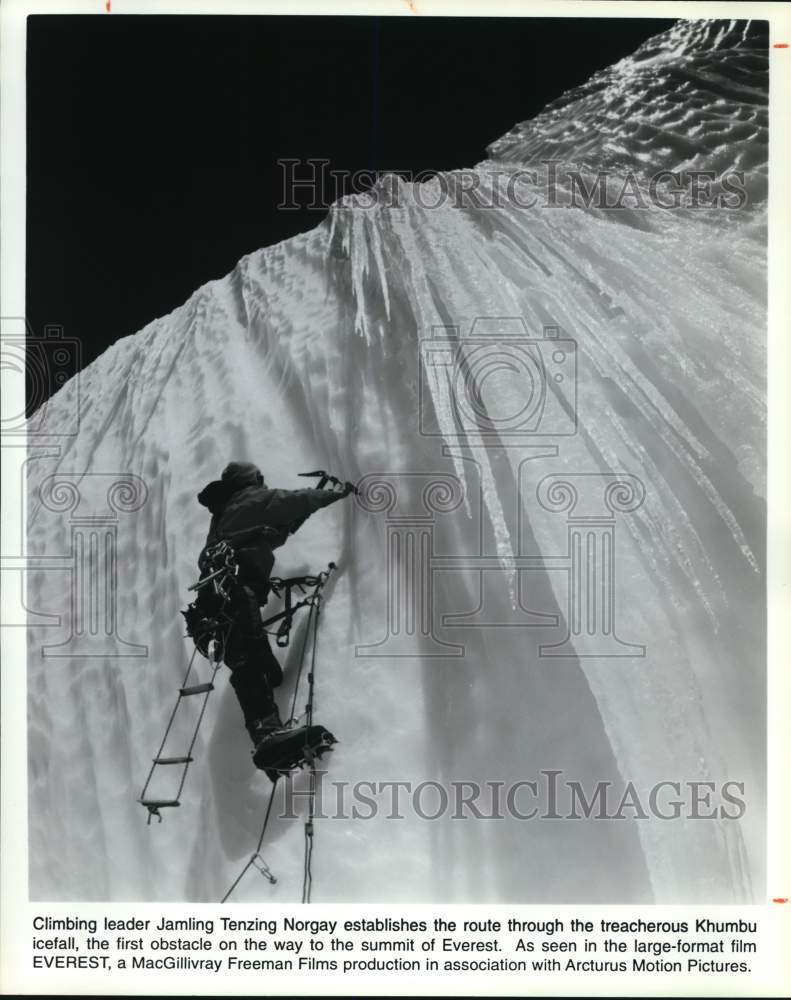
775	979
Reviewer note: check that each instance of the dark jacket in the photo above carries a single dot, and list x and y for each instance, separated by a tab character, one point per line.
255	519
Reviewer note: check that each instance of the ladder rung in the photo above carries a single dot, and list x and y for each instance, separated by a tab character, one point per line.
173	760
156	804
197	689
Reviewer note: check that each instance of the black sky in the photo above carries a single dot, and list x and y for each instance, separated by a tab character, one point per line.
152	142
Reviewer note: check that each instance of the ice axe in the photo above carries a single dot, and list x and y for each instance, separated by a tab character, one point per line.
324	478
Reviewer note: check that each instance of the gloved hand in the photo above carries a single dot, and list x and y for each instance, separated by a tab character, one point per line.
348	488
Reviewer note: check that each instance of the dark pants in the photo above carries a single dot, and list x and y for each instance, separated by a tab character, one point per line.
255	671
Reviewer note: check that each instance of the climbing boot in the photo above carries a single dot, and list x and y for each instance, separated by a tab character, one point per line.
262	729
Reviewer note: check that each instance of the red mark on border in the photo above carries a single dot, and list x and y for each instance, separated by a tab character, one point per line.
780	899
107	5
780	45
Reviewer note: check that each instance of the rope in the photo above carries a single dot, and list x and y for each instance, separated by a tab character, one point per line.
264	869
307	873
314	599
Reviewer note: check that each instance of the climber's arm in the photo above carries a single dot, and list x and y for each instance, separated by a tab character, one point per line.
290	508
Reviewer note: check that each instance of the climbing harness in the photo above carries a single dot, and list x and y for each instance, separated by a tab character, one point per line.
209	622
286	587
308	756
209	615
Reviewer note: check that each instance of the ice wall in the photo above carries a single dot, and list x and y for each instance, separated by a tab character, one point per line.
312	354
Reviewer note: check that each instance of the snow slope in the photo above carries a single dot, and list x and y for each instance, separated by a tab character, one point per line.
307	355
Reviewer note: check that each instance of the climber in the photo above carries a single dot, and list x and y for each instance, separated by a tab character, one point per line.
255	520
